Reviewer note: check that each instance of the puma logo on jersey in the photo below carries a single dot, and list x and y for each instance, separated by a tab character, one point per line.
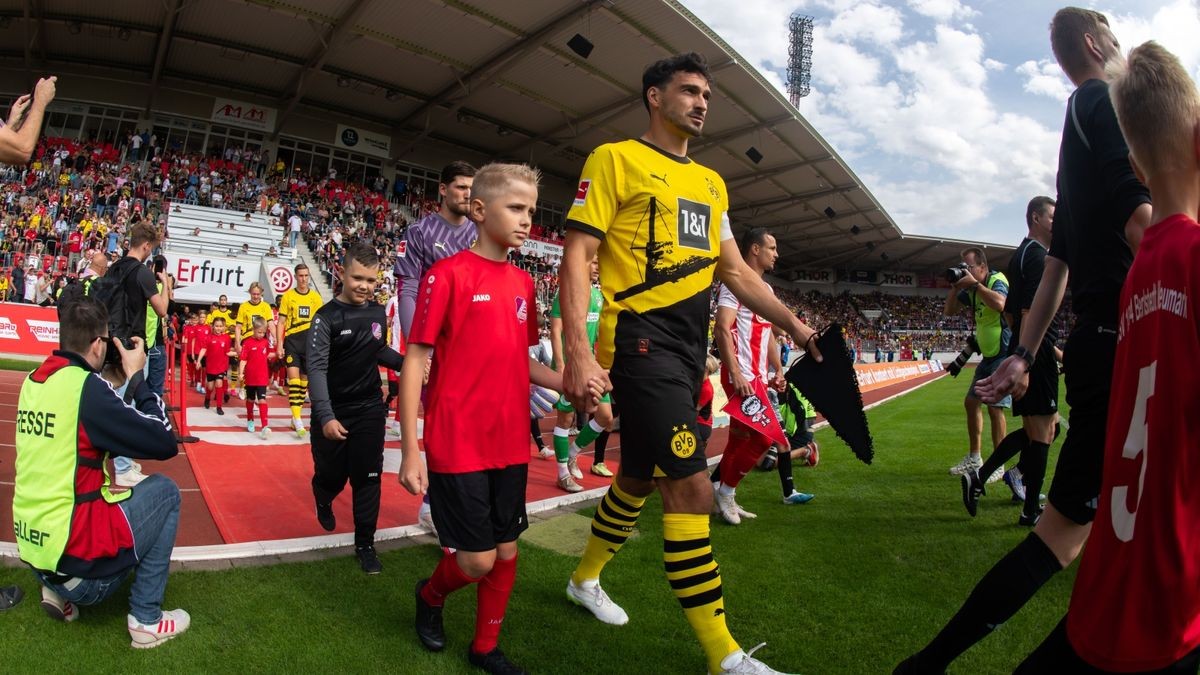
663	178
481	297
439	244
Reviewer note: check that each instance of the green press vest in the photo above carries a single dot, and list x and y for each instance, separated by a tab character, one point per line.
48	463
989	324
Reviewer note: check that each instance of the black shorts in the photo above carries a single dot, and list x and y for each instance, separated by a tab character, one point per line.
1041	398
1056	654
477	510
1088	366
212	377
295	351
659	433
256	393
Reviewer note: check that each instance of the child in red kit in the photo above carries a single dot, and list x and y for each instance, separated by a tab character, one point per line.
476	472
215	357
196	344
254	373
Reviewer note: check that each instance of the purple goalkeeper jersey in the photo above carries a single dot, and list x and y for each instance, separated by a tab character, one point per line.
426	241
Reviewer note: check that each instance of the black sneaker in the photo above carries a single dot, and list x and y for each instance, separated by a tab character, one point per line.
207	404
430	630
972	490
368	560
220	411
325	516
494	662
1027	520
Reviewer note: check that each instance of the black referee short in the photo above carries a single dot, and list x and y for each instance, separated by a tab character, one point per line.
1041	398
295	351
1088	366
477	510
659	433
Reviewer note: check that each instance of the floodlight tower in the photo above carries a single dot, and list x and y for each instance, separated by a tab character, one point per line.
800	49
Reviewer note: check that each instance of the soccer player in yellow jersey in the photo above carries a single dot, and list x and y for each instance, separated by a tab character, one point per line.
297	308
660	224
221	310
246	313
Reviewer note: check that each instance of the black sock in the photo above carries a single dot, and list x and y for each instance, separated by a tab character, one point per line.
1034	459
1012	444
784	464
998	595
716	474
536	432
599	447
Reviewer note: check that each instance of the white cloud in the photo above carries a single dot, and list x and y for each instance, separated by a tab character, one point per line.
993	64
1174	26
1045	78
868	23
942	11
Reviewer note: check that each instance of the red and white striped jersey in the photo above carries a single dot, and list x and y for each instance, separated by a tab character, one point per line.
751	337
395	336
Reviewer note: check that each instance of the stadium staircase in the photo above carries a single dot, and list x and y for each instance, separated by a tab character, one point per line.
316	278
257	232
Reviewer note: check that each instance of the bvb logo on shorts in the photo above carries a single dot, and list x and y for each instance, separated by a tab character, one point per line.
683	443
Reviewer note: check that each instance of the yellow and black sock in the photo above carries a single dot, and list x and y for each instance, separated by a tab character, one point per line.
614	521
696	581
296	390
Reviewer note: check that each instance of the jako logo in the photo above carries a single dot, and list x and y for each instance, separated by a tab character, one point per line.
481	297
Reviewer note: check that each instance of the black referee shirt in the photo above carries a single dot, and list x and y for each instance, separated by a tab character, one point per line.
1024	275
1097	192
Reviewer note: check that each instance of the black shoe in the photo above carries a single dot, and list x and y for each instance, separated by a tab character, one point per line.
325	516
430	630
368	560
972	490
206	404
220	411
10	596
1027	520
494	662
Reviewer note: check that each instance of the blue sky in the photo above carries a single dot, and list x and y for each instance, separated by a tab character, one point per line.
950	111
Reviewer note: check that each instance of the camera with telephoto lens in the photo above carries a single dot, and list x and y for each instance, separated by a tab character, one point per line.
970	350
955	273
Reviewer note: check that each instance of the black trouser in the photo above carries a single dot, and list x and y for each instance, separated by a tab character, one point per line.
359	458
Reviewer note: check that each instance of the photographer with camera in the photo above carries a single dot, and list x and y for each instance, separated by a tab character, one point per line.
130	291
81	536
984	291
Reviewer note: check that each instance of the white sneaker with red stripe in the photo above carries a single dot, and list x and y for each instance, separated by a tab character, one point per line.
148	636
58	607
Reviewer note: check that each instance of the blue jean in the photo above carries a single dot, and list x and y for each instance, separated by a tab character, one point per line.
153	514
156	369
292	235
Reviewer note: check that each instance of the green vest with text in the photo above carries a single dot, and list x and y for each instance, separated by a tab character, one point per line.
989	324
48	464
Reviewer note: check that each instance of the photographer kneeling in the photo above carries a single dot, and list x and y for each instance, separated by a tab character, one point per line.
976	287
80	536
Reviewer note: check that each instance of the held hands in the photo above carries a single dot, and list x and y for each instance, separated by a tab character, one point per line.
584	382
1012	377
779	383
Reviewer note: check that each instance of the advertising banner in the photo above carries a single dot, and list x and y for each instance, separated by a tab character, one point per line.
28	329
898	279
202	278
877	375
367	142
277	278
542	248
815	276
242	114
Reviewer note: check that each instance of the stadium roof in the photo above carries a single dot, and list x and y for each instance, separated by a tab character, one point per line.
497	78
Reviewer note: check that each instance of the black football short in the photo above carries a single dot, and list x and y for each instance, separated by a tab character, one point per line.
1088	366
475	511
1041	398
212	377
295	351
254	393
659	433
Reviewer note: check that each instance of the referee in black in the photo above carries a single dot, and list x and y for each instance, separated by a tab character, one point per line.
1038	408
347	346
1101	212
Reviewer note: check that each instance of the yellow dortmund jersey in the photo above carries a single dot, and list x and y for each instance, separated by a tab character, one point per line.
224	314
299	309
661	219
247	312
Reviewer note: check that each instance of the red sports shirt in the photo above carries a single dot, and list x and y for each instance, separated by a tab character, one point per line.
751	339
1136	603
481	318
216	358
254	353
198	338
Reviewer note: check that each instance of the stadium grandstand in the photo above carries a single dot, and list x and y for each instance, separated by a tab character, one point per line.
343	112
